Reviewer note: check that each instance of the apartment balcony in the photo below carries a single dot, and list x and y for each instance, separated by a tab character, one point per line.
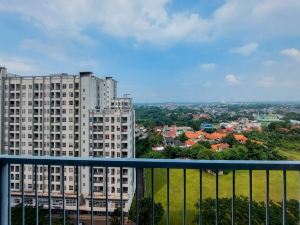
50	198
97	120
124	120
124	138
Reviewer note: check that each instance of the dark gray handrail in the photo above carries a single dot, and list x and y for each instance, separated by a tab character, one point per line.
153	163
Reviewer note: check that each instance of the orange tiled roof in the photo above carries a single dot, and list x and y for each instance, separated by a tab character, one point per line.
221	145
171	133
240	137
215	136
190	142
194	135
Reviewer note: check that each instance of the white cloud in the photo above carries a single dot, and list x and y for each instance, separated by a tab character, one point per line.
232	79
208	66
18	65
291	52
153	22
245	50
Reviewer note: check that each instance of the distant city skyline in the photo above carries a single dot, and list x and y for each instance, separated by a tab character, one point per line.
161	50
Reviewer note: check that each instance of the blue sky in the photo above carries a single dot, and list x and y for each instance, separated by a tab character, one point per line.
161	50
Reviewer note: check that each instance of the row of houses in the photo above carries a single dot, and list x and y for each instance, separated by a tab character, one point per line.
241	125
170	135
213	138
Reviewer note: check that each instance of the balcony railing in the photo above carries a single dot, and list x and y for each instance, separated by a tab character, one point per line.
201	165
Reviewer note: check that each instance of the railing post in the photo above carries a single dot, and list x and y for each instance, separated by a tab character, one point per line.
3	193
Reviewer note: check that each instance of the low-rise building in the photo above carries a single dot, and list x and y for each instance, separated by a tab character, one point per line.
219	147
174	131
158	148
195	136
189	143
207	126
240	138
173	142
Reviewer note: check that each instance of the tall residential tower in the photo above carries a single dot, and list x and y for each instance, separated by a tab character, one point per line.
67	115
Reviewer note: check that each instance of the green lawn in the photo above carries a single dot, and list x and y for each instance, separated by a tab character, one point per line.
242	188
291	154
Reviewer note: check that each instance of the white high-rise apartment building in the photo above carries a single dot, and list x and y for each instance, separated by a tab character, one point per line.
67	115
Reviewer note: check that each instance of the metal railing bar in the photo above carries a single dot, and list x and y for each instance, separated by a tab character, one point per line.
152	194
201	197
250	197
136	198
92	193
233	199
77	196
63	194
184	196
168	196
217	213
267	197
155	163
106	196
217	197
284	199
36	195
9	195
121	195
49	196
23	197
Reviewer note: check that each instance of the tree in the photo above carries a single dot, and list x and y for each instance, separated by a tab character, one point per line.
155	139
115	217
142	146
205	144
261	152
242	207
230	139
193	152
145	212
153	155
16	216
172	152
182	137
235	153
206	154
276	125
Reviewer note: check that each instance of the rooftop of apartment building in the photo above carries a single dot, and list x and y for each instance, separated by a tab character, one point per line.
82	74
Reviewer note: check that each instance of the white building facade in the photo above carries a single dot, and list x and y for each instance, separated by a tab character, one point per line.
67	115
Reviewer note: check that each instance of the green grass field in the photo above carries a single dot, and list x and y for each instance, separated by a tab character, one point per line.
290	149
225	185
